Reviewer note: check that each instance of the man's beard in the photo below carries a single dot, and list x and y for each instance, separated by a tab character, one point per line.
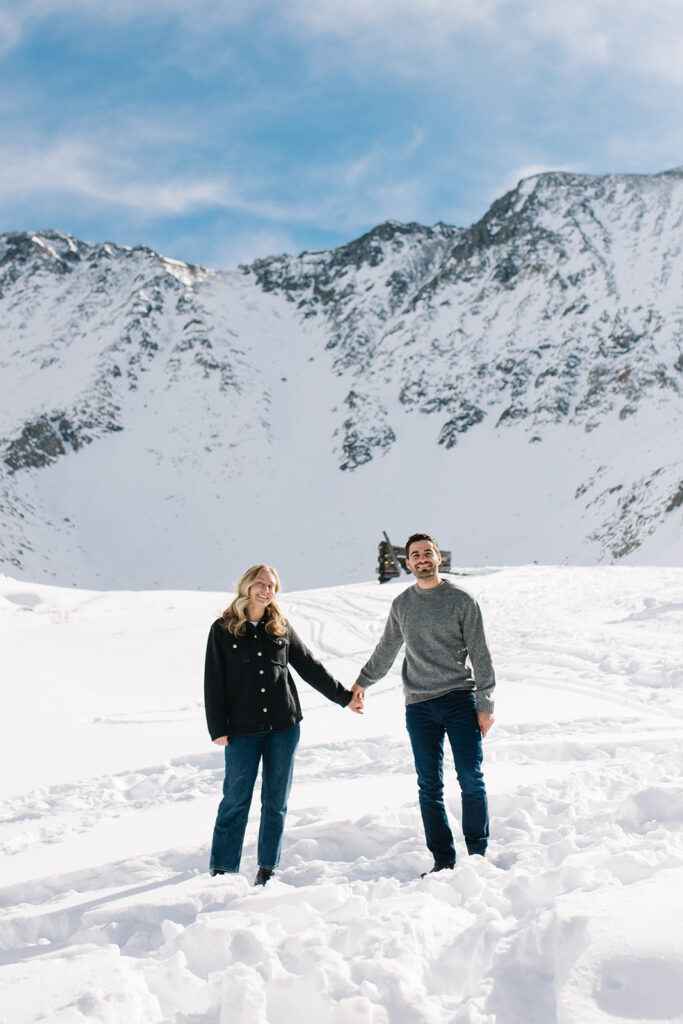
427	571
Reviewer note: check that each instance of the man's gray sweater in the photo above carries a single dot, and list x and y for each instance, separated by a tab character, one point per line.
446	648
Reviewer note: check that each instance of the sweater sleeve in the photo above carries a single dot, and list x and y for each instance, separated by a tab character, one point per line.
478	651
215	702
314	672
384	654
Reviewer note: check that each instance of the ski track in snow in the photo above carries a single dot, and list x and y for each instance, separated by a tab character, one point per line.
574	919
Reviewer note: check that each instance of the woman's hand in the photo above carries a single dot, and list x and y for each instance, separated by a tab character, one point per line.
357	702
222	741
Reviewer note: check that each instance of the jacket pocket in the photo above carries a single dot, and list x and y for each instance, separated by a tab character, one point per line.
237	652
278	650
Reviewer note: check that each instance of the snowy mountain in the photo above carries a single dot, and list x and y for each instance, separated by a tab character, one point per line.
514	387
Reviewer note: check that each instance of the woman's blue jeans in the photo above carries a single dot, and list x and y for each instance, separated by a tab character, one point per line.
242	757
453	715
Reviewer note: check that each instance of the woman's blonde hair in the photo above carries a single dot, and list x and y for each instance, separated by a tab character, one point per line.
234	618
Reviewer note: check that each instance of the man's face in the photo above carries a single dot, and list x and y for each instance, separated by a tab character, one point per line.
423	560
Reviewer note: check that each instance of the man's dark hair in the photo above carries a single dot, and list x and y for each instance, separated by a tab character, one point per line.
420	536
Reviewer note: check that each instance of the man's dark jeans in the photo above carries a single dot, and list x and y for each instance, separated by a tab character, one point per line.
453	715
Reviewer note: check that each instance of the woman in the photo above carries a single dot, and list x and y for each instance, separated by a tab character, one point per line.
253	710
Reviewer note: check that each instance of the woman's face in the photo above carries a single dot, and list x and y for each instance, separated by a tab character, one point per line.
263	589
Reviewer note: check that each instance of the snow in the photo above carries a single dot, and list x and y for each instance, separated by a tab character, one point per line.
542	346
110	784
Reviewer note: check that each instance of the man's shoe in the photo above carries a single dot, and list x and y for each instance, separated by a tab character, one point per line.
262	876
216	871
437	867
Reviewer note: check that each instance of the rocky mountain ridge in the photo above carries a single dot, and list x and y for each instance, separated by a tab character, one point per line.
555	323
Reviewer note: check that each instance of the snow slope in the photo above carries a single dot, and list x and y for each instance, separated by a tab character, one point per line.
513	388
109	788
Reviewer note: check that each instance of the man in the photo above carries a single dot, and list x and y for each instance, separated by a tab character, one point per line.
448	682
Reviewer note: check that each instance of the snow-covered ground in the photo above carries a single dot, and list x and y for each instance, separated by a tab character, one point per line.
109	788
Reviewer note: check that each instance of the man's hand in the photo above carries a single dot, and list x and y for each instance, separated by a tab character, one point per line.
485	721
357	702
221	741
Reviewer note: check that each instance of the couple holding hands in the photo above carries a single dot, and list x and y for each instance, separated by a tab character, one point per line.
253	709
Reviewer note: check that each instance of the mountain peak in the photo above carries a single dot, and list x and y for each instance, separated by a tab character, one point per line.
523	375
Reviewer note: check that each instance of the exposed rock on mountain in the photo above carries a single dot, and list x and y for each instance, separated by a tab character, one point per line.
514	386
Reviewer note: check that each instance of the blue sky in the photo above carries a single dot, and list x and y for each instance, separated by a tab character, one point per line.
222	130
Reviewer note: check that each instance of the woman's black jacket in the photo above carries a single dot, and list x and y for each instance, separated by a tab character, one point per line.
247	684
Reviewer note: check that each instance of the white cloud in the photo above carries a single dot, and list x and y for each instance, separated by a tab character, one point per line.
626	35
80	168
337	17
10	30
629	35
200	17
92	169
393	19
